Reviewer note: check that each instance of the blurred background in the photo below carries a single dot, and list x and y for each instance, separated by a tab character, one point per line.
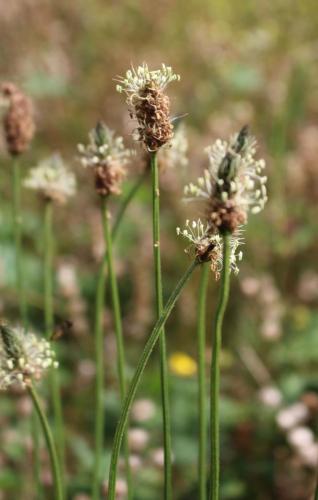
240	63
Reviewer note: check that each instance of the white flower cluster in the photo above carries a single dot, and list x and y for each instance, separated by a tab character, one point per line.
210	245
137	80
103	148
233	173
23	357
52	179
174	154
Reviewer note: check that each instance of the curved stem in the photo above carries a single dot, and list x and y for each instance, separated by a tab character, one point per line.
99	360
204	280
162	340
150	344
126	201
118	329
17	222
49	320
215	372
50	444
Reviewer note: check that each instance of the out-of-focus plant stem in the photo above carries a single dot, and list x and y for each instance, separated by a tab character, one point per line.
56	471
215	372
201	381
118	331
99	342
126	201
162	342
17	223
150	344
49	320
99	360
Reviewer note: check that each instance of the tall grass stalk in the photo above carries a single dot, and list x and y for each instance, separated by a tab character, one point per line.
99	337
99	360
150	344
118	330
49	324
126	201
202	462
162	341
56	471
17	224
215	372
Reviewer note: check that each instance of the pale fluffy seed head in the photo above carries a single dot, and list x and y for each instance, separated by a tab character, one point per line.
103	148
52	179
136	80
23	357
175	153
233	174
208	245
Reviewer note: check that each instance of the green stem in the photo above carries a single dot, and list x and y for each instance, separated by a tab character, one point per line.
162	340
50	444
49	320
150	344
17	222
99	341
118	328
126	201
204	280
99	360
215	372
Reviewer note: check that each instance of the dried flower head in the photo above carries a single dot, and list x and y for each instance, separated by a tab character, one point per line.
52	179
148	103
107	155
23	357
208	245
174	154
232	185
18	120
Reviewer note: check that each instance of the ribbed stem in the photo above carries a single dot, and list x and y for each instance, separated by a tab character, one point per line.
150	344
162	341
205	271
126	201
17	223
118	331
215	372
49	323
99	362
56	471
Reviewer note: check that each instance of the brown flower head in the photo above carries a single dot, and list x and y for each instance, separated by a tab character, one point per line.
107	155
18	120
149	105
232	185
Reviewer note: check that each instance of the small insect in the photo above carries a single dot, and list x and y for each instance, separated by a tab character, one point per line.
61	329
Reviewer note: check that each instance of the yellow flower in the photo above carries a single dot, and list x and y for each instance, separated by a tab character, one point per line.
182	364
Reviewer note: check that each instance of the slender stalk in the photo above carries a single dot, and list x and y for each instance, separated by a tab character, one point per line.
99	359
201	381
150	344
99	340
126	201
215	372
49	320
17	222
58	485
162	341
118	330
